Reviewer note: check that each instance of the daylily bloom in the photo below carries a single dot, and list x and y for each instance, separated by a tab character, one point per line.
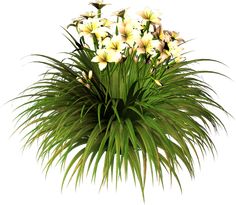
120	13
175	36
103	57
128	34
165	36
92	26
106	23
130	23
89	14
100	33
98	4
146	44
114	44
157	30
75	22
175	49
148	15
158	45
89	26
163	56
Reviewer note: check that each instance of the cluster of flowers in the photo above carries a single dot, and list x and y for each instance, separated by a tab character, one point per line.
114	40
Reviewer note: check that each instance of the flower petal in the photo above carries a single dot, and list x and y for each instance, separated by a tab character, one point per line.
95	59
102	65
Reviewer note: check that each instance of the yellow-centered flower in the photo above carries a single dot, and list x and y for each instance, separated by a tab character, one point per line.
130	23
148	15
103	57
106	23
175	36
165	36
114	44
128	34
168	36
175	49
146	44
89	26
163	56
100	33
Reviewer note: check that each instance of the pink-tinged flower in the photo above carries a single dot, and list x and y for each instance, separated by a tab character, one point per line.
175	36
146	44
163	56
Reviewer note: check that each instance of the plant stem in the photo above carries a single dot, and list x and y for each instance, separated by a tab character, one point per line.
147	26
99	13
109	80
95	42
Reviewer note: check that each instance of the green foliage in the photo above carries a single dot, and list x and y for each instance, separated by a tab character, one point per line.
123	117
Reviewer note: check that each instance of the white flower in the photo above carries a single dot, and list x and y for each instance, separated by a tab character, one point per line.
127	33
114	44
103	57
106	22
148	15
175	49
146	44
158	45
100	33
89	26
93	27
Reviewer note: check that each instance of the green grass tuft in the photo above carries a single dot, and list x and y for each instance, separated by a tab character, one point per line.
123	117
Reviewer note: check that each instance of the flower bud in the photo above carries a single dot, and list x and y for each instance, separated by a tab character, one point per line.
84	75
87	86
158	82
80	80
90	74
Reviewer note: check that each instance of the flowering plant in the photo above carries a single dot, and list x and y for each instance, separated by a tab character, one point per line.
125	96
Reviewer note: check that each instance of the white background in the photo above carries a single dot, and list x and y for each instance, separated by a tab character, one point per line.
29	26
